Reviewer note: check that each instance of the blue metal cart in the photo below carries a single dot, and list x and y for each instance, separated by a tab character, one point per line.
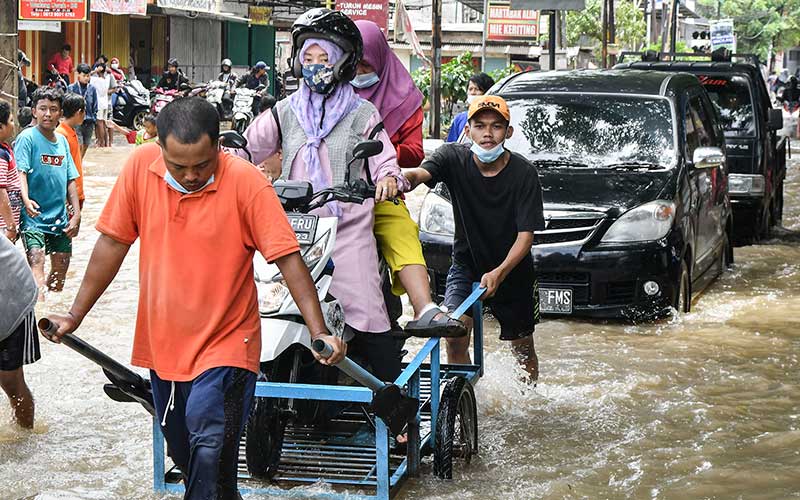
352	453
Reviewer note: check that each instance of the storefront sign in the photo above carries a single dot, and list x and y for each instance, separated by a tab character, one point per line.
51	26
210	6
120	7
548	4
376	11
260	16
507	24
53	10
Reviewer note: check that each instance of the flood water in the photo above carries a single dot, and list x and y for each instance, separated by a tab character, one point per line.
703	406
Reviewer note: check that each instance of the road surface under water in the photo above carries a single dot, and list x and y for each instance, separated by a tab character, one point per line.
702	406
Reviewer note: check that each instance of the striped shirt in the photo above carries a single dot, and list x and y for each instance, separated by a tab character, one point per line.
9	180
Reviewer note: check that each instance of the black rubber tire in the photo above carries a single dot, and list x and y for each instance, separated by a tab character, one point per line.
683	299
264	438
138	119
266	424
456	427
727	253
777	206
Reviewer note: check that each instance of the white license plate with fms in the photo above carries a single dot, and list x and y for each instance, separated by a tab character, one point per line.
555	300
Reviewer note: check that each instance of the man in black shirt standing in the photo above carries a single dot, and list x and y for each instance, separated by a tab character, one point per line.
497	204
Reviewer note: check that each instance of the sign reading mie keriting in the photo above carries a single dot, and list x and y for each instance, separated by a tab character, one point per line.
376	11
507	24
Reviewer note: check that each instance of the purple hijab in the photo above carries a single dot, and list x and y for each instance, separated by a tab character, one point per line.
307	106
395	95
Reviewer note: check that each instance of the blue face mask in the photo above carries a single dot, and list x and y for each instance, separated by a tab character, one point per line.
177	185
366	80
487	155
318	78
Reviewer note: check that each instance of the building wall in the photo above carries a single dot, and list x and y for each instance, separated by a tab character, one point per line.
40	46
197	43
115	38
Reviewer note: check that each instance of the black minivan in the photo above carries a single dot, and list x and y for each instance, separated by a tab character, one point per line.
634	176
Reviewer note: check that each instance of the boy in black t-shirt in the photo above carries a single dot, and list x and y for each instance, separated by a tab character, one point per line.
497	204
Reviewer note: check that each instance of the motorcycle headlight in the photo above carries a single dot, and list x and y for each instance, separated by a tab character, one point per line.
648	222
436	216
315	252
746	184
271	296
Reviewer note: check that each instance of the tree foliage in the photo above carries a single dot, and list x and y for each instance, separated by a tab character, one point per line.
455	78
584	27
758	24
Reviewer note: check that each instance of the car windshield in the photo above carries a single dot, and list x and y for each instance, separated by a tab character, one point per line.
592	130
731	97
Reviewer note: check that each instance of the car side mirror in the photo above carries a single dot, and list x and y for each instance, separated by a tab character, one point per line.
775	119
708	157
367	149
232	139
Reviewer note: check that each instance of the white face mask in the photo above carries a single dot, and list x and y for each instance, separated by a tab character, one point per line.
471	98
115	66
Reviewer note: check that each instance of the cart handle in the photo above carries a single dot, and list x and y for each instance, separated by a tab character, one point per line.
464	307
348	366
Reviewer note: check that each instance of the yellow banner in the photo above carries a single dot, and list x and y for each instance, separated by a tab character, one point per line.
261	16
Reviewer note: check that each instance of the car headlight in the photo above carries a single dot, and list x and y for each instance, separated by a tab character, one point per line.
436	216
315	252
746	184
271	296
648	222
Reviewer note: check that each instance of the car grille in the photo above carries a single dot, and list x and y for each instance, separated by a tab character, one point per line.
568	227
620	292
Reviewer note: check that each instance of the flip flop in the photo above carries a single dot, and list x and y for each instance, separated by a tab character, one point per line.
428	325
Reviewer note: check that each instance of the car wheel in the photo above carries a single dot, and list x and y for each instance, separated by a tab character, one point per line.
777	206
683	297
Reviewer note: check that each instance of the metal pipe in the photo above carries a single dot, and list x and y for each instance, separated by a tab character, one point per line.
348	366
485	34
552	39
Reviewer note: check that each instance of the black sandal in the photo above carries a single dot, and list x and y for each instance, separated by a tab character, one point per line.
428	325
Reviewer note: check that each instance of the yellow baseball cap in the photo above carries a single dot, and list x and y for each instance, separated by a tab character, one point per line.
492	102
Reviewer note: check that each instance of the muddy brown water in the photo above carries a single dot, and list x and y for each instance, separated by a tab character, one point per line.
702	406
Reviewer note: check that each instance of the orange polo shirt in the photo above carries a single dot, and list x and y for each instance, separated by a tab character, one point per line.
75	153
198	306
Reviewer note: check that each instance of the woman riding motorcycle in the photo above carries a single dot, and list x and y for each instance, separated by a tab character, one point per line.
316	129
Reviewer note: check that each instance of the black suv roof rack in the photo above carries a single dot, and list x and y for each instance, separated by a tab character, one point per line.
720	55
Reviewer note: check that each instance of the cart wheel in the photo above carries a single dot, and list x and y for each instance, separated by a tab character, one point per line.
264	438
456	427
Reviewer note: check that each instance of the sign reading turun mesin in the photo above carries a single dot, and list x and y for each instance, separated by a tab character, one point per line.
548	4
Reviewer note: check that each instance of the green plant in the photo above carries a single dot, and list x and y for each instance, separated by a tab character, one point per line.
631	27
454	80
501	73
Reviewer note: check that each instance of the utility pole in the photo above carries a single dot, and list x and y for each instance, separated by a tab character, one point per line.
604	35
485	34
436	71
8	53
612	30
552	39
673	26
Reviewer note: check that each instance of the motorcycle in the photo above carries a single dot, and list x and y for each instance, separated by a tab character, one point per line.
162	97
132	105
286	341
218	95
243	104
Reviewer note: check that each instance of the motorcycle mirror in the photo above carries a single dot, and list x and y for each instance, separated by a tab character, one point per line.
185	86
367	149
232	139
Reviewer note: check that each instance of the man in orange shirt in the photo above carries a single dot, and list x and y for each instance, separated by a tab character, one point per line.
74	112
200	214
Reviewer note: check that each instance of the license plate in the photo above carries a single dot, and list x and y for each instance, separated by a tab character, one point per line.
305	227
555	300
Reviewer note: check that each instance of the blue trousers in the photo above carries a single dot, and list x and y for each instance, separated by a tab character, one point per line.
205	418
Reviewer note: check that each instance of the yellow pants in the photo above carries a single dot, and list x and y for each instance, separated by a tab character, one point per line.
398	239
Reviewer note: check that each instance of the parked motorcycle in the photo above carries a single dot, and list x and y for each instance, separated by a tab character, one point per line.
132	105
243	107
285	354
